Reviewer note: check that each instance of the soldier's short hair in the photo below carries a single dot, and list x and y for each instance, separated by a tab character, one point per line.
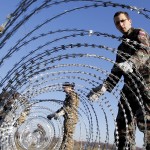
122	12
68	84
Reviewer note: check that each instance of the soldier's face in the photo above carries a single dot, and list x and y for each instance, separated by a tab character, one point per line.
123	24
67	89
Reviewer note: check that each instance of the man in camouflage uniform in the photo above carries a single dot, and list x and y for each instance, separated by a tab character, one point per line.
6	101
40	130
134	64
69	111
22	117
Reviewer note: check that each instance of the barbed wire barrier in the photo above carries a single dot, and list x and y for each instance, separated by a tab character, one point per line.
35	63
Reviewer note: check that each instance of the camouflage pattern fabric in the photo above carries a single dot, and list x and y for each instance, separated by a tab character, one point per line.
136	88
6	101
22	117
70	107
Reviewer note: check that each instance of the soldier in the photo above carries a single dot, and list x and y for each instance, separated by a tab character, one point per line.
70	114
6	101
22	118
134	64
40	130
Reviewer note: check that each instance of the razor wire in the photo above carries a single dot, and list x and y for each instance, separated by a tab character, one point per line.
44	68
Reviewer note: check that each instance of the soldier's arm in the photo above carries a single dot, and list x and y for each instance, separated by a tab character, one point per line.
115	75
60	112
143	53
60	109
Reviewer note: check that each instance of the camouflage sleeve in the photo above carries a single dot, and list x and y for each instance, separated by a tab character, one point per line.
70	103
74	100
114	77
143	53
63	108
60	109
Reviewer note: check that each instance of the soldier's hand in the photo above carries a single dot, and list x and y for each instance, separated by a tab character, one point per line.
126	66
51	116
96	92
56	116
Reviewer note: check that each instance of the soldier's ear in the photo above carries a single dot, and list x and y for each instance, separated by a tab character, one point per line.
130	21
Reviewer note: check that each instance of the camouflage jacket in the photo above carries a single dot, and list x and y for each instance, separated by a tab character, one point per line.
6	99
70	105
139	54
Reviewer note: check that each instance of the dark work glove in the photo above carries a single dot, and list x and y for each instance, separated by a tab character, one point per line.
51	116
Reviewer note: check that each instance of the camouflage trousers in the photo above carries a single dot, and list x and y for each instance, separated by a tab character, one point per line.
69	128
127	120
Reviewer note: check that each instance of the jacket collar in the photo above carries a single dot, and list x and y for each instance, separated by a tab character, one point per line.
128	33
